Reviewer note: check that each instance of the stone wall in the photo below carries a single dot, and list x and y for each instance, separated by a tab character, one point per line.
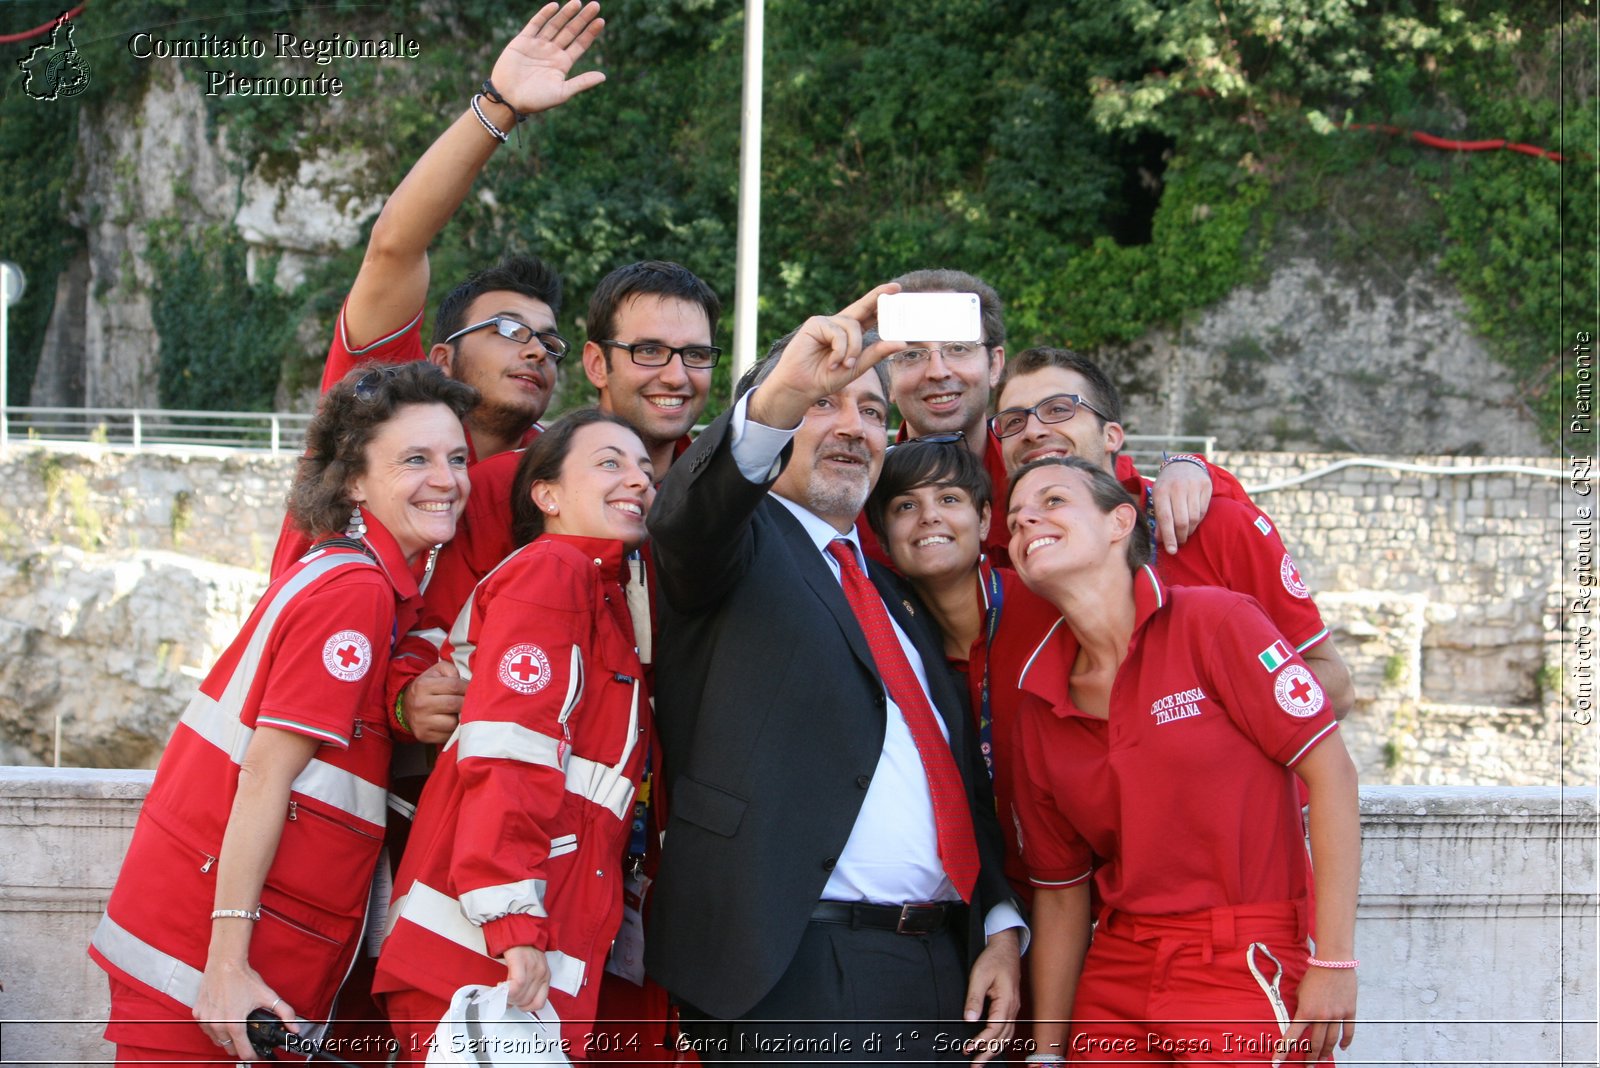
1476	924
1442	591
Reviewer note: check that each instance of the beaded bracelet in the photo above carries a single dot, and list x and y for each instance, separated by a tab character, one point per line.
400	713
1314	962
237	914
1182	457
494	131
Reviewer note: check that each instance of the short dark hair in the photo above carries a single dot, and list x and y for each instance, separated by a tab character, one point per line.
347	420
991	311
652	278
528	275
911	464
1107	493
541	462
1103	395
763	367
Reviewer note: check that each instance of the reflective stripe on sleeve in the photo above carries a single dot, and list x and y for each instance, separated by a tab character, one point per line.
525	898
441	914
507	741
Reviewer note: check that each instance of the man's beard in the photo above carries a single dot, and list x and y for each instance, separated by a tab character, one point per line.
837	494
505	421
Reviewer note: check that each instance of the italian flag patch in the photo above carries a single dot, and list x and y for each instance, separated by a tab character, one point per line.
1262	524
1274	656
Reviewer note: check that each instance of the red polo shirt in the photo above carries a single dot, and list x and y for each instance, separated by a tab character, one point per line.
1184	797
1238	548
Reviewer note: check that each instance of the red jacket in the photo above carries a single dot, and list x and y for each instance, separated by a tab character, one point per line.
311	659
520	833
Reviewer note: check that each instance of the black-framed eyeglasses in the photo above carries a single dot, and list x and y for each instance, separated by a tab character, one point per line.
952	438
555	346
370	385
1056	409
953	352
656	354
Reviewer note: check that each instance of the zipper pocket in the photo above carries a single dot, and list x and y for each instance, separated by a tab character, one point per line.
295	812
268	911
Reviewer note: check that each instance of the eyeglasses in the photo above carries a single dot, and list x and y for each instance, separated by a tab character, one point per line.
554	344
952	438
1056	409
370	385
953	352
655	354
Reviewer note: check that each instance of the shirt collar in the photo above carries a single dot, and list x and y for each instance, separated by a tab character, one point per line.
820	531
607	553
1048	671
386	552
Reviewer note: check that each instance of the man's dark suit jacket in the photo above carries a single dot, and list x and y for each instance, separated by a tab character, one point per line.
772	716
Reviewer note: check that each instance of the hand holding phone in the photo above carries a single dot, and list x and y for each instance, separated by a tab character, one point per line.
929	317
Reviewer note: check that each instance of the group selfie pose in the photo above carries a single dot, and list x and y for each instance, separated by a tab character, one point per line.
894	716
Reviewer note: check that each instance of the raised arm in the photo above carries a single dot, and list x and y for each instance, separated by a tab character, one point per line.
531	75
700	522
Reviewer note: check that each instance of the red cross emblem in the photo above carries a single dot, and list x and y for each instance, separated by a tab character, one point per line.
525	668
347	655
1297	692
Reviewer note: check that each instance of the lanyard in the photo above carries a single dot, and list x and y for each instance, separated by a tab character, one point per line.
638	835
990	580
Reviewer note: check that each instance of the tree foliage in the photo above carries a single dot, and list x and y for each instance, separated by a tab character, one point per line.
1106	166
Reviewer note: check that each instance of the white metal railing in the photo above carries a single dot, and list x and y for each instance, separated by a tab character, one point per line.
139	428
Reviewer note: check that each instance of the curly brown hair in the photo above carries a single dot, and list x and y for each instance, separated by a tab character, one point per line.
348	419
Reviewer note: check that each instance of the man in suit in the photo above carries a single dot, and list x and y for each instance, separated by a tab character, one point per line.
830	886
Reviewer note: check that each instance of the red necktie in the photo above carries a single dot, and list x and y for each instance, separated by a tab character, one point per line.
958	846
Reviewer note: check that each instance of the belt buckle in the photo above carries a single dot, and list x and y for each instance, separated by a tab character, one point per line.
920	918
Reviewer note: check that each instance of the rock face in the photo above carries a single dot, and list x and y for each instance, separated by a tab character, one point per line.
1319	359
152	158
110	647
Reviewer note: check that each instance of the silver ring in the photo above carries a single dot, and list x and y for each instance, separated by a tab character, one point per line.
275	1003
226	1042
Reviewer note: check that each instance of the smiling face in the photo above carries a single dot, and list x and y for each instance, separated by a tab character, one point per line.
1084	435
934	532
661	403
415	482
605	489
838	451
940	395
1059	534
515	380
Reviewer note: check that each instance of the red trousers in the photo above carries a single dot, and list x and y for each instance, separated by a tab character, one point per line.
1181	989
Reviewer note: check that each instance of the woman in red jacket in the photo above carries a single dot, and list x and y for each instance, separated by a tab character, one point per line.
513	872
267	811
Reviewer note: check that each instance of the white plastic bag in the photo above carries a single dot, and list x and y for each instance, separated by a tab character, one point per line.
483	1030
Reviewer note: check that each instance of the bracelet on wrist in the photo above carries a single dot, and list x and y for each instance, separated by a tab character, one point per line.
1182	458
237	914
400	713
490	93
494	131
1337	964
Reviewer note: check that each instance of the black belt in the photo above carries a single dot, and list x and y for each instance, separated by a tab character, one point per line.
924	918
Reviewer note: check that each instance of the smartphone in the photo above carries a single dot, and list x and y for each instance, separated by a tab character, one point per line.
929	317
